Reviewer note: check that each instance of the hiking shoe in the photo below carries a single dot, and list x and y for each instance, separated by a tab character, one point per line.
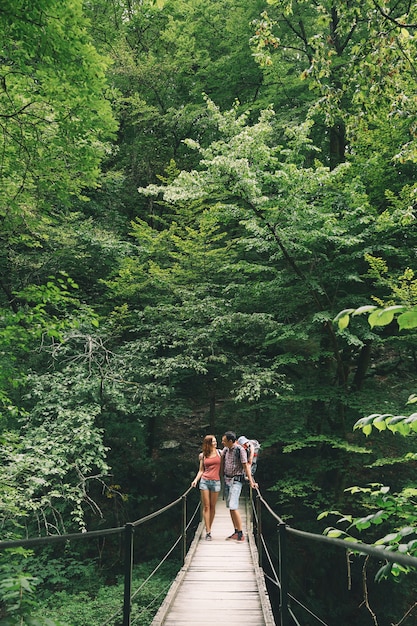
234	537
208	537
240	538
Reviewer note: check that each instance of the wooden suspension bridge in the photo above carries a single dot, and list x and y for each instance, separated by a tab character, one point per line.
220	582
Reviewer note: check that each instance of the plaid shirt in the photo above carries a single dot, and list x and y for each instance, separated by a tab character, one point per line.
232	463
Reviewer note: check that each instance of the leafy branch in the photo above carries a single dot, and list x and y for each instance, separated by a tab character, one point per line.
405	316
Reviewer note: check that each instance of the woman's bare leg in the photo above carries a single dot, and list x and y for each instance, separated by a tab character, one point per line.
205	501
213	499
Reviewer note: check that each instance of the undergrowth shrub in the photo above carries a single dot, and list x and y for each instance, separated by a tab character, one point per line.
105	606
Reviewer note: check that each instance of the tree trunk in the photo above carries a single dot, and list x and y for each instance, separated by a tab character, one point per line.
362	367
337	145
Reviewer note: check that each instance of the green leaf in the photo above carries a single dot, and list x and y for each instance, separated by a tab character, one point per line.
381	318
412	545
323	515
354	489
388	538
372	317
334	532
364	309
342	318
343	313
344	322
383	572
363	522
396	308
412	420
364	421
380	423
398	424
367	429
397	419
407	320
379	517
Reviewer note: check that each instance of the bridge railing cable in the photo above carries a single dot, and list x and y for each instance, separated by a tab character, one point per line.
164	591
128	532
279	577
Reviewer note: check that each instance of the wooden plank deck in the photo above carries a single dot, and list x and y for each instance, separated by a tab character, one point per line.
220	583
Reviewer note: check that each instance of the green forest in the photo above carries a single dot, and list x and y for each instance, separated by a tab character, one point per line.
208	222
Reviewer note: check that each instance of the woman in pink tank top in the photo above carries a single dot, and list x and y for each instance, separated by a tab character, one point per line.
209	476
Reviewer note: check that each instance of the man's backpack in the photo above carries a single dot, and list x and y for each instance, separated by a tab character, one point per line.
255	446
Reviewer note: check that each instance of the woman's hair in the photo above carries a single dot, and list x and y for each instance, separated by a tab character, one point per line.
207	444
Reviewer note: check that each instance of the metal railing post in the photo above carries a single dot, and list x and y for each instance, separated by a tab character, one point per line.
184	528
129	530
259	529
283	575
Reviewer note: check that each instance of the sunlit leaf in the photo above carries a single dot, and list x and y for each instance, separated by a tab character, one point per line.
367	429
398	419
380	423
380	318
343	313
334	532
364	309
407	320
344	322
388	538
396	308
379	517
364	421
363	522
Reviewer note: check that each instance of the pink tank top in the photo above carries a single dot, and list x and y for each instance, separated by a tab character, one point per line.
211	466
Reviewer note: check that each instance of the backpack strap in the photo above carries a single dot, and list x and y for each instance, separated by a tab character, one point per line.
237	453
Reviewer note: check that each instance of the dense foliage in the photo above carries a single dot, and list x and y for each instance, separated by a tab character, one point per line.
191	194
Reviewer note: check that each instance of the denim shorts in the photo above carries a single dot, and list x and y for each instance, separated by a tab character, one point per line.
232	494
210	485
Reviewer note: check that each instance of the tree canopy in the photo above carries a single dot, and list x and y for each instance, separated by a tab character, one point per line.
207	222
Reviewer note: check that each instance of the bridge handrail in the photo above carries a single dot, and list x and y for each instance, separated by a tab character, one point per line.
352	546
89	534
142	520
128	531
172	548
281	580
